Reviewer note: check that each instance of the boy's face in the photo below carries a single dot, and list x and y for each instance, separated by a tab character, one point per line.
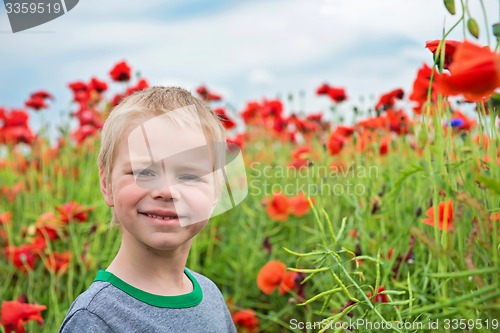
162	189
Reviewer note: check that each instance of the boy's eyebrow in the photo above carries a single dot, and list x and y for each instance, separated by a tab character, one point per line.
142	161
197	167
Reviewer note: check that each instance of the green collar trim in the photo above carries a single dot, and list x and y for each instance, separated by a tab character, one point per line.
174	302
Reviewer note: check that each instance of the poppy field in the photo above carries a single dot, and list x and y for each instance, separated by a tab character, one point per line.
389	223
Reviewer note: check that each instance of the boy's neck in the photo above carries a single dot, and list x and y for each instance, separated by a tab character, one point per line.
160	273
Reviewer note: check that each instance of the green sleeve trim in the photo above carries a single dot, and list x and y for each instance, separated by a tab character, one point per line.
174	302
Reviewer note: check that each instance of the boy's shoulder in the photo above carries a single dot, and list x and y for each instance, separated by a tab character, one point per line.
98	297
86	309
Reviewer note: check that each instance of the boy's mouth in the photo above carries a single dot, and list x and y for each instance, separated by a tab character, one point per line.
164	216
161	217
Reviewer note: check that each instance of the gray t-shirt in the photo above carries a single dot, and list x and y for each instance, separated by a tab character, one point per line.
112	305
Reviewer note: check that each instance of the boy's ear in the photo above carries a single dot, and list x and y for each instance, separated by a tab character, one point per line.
105	189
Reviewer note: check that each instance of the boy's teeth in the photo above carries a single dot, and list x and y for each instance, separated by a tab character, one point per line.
159	217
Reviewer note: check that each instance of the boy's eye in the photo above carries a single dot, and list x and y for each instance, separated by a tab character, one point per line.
144	173
189	177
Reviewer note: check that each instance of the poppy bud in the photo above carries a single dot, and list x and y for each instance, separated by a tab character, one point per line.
266	244
473	27
496	30
450	5
422	137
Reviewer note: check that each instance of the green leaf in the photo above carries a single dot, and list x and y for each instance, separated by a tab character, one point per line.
491	183
415	168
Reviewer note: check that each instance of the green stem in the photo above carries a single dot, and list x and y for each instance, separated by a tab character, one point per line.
485	17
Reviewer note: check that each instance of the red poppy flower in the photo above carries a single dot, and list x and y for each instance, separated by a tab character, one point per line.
15	314
378	297
24	257
300	158
445	215
495	217
251	113
301	153
42	94
84	132
299	205
3	114
58	262
278	207
421	87
450	47
117	99
16	134
36	103
310	128
246	319
335	143
141	85
280	126
73	211
288	282
83	98
120	72
239	140
336	94
315	117
384	143
48	225
372	123
365	140
323	89
207	95
97	85
399	121
227	122
297	122
89	117
388	100
6	218
16	117
270	276
78	86
11	192
345	131
272	108
475	72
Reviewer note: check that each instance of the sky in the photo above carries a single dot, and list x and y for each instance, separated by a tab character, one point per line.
244	50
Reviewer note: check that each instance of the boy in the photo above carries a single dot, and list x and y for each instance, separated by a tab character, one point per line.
158	168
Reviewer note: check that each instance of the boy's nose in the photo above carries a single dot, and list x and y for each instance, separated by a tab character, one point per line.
165	189
165	192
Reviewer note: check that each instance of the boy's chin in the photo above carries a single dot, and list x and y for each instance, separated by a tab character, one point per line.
193	222
168	246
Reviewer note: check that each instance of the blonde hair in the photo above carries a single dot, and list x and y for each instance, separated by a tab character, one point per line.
151	102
